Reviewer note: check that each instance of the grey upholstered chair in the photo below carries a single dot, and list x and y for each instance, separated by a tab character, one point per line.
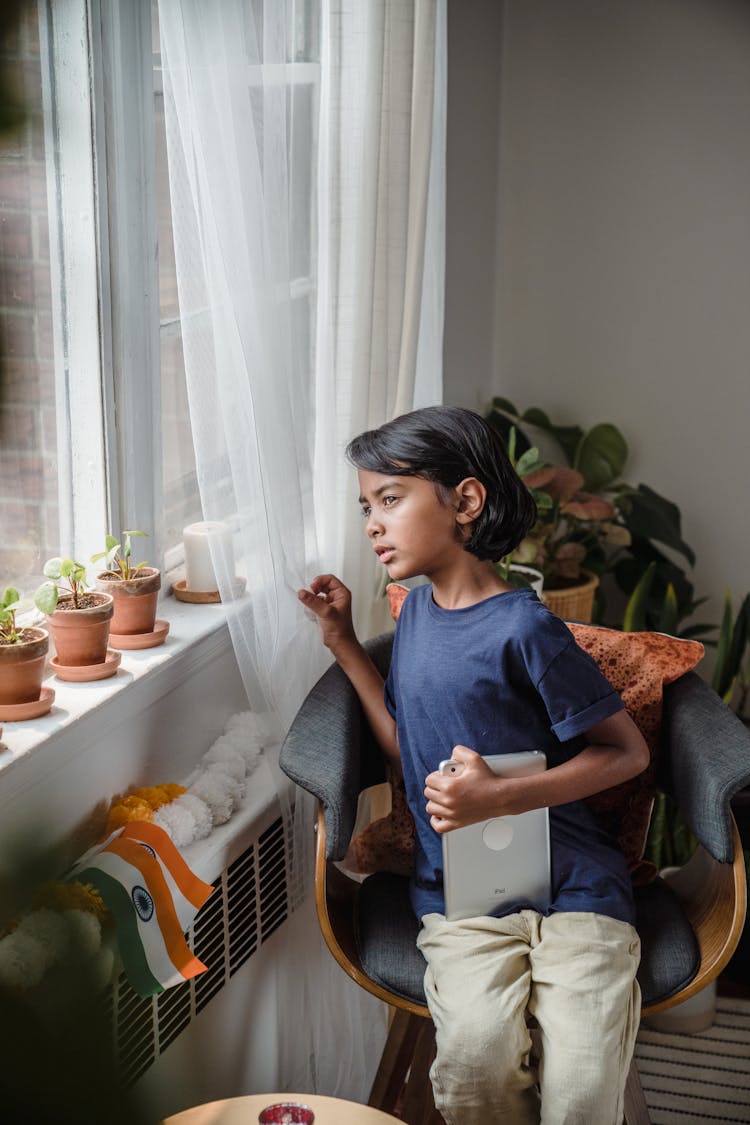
370	927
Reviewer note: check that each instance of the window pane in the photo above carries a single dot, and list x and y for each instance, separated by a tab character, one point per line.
168	306
301	108
181	499
28	439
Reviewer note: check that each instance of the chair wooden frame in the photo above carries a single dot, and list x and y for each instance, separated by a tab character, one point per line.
713	894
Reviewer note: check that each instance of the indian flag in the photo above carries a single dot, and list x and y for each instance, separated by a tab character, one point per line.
154	897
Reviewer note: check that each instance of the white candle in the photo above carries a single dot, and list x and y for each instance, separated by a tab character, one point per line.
207	544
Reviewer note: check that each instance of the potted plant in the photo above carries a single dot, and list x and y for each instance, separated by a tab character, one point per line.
621	529
135	588
566	544
78	618
23	654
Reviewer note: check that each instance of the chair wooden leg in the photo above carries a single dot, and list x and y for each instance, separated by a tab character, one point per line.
395	1060
417	1105
636	1110
402	1084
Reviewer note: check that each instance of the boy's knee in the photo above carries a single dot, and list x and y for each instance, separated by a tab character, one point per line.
482	1065
477	1046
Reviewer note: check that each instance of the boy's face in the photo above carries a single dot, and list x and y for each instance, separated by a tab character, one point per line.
411	529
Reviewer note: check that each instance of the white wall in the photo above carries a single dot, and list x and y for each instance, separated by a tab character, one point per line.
615	254
147	735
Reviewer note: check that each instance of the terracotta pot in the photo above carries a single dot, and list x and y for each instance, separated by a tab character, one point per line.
135	600
22	668
81	635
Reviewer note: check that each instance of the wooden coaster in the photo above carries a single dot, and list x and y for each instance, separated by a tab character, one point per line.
203	597
156	637
17	712
197	597
87	673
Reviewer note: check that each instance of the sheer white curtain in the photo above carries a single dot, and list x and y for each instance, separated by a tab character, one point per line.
381	248
305	152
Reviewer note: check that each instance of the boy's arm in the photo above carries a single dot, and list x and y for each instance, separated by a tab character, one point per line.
330	601
615	753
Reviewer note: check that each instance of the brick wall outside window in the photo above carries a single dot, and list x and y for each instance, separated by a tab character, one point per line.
28	442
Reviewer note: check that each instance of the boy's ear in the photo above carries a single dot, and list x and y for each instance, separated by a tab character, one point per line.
470	498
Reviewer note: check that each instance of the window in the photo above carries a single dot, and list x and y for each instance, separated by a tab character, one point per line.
95	422
302	70
81	427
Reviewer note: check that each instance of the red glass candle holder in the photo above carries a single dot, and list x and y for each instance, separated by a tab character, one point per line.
286	1113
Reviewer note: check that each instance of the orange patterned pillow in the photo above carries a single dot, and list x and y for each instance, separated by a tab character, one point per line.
637	665
396	594
387	844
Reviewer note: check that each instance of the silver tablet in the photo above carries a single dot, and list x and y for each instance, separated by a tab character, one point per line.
499	862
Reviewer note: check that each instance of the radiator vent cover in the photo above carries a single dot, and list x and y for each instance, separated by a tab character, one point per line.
250	902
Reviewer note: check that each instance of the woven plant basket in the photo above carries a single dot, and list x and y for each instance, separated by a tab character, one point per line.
575	603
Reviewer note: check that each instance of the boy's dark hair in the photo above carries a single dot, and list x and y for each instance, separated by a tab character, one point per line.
446	444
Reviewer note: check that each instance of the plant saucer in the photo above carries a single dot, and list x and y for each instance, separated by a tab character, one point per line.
85	673
17	712
157	636
204	597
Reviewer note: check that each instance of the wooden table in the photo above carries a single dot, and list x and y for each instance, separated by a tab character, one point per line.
245	1110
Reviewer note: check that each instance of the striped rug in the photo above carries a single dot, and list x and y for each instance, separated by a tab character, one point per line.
689	1079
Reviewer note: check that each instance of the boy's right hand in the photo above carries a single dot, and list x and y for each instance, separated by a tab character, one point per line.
331	602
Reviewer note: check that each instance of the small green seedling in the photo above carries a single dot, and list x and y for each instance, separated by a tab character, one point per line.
118	554
9	607
60	570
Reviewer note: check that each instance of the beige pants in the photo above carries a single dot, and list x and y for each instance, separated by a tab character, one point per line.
574	973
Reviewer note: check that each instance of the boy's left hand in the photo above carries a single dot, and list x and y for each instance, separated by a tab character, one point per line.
463	798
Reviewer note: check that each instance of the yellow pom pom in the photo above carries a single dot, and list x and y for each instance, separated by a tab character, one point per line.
173	791
126	810
150	795
70	896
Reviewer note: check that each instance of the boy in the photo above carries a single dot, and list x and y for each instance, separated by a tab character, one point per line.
478	668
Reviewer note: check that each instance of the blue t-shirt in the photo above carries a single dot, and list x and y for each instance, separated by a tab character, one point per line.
503	675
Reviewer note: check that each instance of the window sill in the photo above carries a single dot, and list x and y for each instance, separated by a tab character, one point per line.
198	634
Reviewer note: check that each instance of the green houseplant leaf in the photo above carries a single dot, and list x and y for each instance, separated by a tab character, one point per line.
600	456
56	569
740	636
670	613
53	568
117	554
528	460
503	418
634	619
730	648
46	597
648	515
722	677
567	437
10	597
